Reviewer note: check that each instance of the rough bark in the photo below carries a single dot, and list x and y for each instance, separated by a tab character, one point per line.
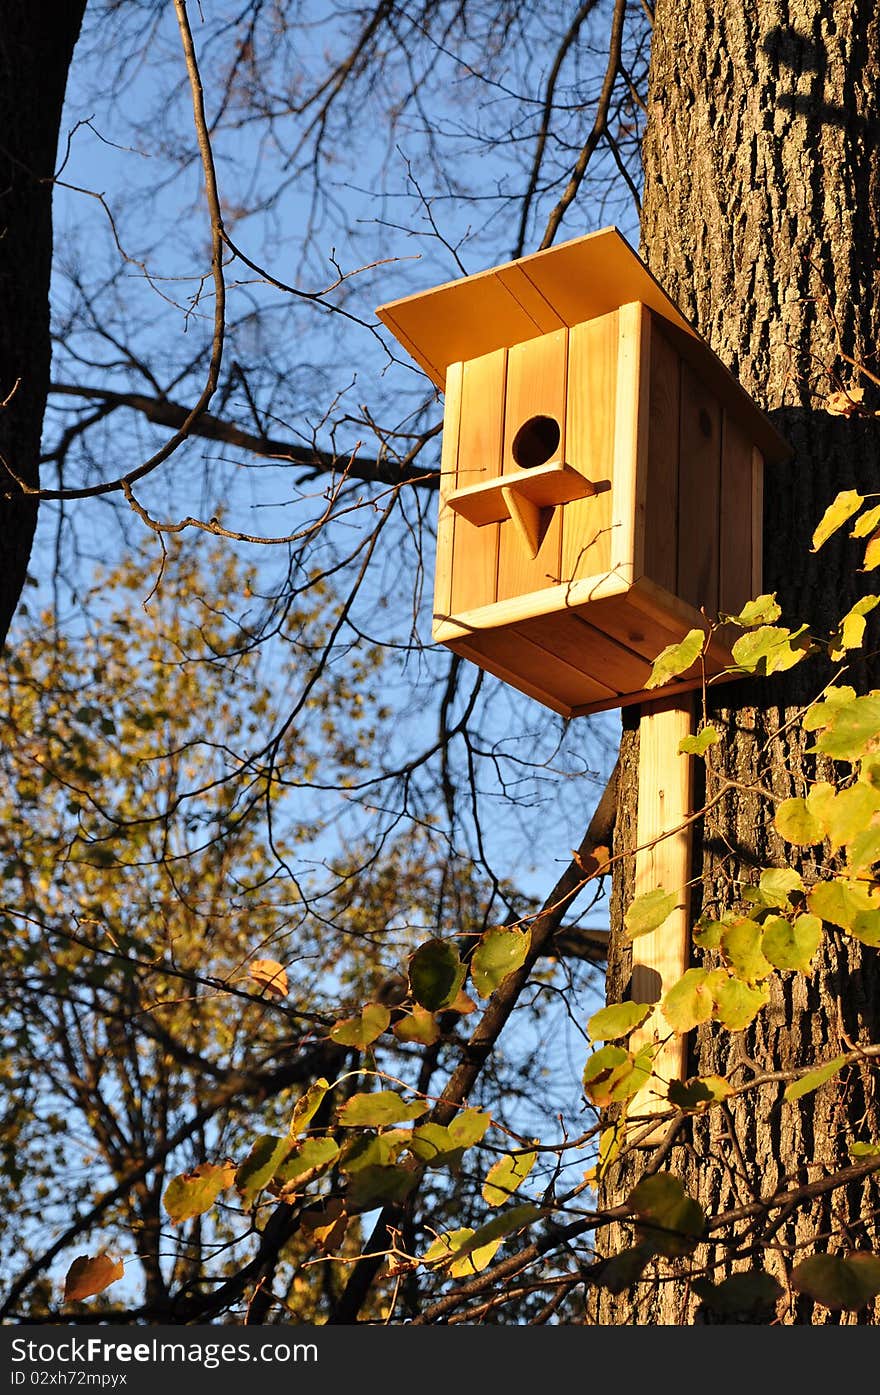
36	45
762	218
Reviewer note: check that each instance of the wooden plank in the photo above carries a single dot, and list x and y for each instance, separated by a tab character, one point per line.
735	586
545	486
516	608
589	437
661	499
640	628
468	650
590	276
689	685
570	638
757	523
480	435
699	493
630	442
536	306
515	657
535	387
445	516
663	856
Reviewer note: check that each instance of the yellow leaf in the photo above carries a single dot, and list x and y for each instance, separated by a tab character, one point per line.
844	404
91	1274
271	975
842	507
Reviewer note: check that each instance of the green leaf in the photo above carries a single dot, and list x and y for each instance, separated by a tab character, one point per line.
419	1026
360	1031
839	1281
813	1079
468	1127
312	1158
373	1150
820	802
260	1165
445	1252
771	649
498	1229
842	507
741	944
307	1106
699	745
860	1152
866	928
624	1269
776	885
839	900
498	955
851	730
864	850
852	812
697	1094
193	1193
707	932
736	1003
671	1221
375	1186
376	1108
822	712
435	1146
676	659
739	1293
618	1020
611	1141
466	1252
602	1067
506	1176
436	975
797	824
761	611
649	911
689	1001
791	945
613	1075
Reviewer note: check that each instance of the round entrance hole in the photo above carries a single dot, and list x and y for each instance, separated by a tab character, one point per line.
536	442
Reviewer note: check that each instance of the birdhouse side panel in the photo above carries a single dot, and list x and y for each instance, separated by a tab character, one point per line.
448	478
740	519
699	493
479	457
703	513
661	495
534	404
589	436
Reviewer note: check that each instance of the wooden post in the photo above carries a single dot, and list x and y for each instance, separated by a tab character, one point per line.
664	841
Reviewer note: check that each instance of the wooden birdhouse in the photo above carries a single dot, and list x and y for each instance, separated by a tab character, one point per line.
601	479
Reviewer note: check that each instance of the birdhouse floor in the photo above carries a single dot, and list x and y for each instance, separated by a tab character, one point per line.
552	644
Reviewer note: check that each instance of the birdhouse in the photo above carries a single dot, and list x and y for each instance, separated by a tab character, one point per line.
601	473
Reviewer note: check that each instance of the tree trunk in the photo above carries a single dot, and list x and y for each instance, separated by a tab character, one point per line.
36	45
762	219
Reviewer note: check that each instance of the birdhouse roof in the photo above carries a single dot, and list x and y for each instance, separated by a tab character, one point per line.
555	289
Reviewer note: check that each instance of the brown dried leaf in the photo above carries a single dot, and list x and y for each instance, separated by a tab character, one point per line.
91	1274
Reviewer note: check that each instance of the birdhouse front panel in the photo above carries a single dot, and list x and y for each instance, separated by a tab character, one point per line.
601	476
